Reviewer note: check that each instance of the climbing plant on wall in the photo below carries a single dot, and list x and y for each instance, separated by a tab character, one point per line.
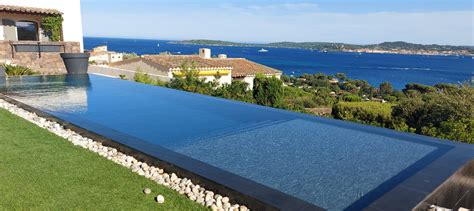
51	26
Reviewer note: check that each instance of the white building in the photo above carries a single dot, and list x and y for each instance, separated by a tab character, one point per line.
16	14
101	55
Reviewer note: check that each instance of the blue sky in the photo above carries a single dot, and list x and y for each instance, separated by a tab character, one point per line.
350	21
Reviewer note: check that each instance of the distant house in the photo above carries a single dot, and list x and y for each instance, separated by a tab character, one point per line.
24	42
101	55
222	68
333	81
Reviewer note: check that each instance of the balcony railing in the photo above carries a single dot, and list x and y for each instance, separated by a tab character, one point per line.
37	47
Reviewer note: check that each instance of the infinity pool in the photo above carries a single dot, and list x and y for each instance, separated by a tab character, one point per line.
328	163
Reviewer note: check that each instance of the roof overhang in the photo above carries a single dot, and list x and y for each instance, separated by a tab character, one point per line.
29	10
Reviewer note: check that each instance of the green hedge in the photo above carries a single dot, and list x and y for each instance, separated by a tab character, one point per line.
372	113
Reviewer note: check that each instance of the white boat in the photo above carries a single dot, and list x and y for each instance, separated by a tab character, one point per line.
263	50
158	45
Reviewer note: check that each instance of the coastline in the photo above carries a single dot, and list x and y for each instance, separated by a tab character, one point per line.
361	50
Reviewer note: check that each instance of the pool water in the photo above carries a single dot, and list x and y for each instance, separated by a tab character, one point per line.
325	162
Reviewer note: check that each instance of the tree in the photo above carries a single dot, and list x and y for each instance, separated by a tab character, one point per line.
188	80
341	76
238	90
268	91
419	88
286	78
386	88
442	113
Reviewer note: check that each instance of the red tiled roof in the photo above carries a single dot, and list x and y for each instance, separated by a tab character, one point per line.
240	67
30	10
243	67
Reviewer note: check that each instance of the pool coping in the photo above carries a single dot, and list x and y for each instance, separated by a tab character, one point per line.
410	191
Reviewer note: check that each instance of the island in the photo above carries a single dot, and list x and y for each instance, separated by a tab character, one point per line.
398	47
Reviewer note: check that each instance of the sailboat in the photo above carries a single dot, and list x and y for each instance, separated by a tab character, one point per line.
263	50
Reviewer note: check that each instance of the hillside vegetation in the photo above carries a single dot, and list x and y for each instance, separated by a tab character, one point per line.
444	111
328	46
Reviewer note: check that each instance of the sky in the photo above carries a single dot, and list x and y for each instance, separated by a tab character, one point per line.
262	21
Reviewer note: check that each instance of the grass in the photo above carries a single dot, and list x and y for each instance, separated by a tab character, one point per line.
39	170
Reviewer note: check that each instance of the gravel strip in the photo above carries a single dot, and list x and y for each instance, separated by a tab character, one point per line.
183	186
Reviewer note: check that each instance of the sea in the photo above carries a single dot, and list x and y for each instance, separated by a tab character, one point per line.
375	68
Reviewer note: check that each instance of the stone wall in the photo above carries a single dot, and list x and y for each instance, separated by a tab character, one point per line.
116	72
42	62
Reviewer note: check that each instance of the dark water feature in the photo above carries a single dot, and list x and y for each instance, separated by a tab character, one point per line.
375	68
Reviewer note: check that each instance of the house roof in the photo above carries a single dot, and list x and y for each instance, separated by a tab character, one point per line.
240	67
29	10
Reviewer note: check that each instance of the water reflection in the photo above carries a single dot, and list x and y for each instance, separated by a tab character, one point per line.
49	93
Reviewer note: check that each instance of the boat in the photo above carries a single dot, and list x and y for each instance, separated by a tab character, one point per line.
158	45
263	50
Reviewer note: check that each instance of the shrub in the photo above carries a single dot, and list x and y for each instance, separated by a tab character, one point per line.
419	87
141	77
372	113
351	98
462	130
129	56
268	91
189	81
17	70
238	90
439	113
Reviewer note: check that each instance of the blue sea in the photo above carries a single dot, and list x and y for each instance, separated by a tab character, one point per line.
375	68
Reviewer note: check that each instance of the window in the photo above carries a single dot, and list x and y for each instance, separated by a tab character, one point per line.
27	30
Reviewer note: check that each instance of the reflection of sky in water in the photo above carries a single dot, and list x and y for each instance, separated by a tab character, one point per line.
52	93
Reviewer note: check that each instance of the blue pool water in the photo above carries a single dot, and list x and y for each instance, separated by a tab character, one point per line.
324	162
375	68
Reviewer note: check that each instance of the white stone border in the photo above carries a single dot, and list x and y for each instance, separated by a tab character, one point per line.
183	186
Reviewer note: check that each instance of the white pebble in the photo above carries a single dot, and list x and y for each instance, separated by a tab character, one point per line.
147	191
160	199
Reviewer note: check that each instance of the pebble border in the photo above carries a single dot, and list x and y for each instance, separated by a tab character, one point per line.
183	186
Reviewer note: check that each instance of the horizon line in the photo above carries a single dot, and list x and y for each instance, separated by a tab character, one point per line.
263	43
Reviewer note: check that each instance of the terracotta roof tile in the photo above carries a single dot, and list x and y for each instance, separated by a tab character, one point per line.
240	67
34	10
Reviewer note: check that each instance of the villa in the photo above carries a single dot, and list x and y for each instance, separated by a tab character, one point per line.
101	55
23	41
222	68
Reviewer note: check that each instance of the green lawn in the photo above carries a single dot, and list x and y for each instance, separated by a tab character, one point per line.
40	170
